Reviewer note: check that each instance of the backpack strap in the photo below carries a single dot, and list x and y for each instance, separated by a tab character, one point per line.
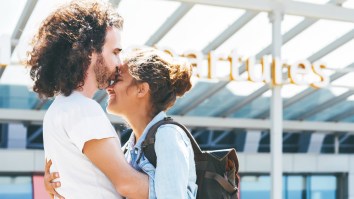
222	182
148	145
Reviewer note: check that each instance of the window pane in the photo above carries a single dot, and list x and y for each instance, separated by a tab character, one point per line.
295	187
15	187
255	187
323	187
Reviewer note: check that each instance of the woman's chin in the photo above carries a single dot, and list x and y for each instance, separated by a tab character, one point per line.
110	108
110	101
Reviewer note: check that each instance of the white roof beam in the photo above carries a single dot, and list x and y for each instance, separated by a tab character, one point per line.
33	116
324	105
231	30
341	116
305	93
293	32
238	105
22	21
169	23
20	26
31	161
286	37
308	10
318	55
332	46
201	98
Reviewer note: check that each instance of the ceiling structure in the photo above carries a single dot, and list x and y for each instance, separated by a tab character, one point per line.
313	30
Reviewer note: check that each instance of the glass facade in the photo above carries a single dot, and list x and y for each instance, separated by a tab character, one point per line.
15	187
322	187
301	186
22	187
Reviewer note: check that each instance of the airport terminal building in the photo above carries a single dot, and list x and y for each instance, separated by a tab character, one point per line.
273	79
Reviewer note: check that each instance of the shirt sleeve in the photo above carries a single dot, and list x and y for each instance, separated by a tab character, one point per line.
87	123
172	171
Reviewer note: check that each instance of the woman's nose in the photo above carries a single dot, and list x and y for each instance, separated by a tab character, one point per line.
109	89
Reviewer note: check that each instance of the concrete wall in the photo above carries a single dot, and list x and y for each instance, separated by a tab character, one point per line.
20	160
16	160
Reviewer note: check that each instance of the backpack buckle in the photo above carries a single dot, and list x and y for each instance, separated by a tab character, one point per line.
167	118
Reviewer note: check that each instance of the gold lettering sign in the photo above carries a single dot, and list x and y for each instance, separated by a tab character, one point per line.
268	69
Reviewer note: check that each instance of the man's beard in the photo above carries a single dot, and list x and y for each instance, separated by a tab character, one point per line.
102	72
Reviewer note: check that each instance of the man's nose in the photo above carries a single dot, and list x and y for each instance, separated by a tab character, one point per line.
119	61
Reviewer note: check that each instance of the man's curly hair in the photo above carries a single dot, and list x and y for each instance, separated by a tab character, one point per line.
63	45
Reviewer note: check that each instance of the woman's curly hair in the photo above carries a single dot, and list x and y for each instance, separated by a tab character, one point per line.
61	49
167	78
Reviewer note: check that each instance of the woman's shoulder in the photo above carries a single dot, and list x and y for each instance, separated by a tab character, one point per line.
171	133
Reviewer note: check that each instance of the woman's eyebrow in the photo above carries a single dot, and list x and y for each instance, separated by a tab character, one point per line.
117	50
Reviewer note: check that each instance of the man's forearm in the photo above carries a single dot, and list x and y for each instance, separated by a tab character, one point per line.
136	186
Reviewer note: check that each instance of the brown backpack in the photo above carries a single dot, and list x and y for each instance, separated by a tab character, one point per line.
217	170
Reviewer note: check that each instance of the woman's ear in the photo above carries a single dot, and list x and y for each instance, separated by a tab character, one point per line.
143	89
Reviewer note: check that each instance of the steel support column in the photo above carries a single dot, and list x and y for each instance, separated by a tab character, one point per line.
276	144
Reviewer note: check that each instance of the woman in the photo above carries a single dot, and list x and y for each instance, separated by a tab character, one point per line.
148	84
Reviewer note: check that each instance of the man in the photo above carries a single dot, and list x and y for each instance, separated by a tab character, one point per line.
75	52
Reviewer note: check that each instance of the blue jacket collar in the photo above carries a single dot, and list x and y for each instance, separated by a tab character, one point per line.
156	119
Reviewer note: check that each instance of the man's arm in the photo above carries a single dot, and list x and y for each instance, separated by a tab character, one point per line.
109	158
49	183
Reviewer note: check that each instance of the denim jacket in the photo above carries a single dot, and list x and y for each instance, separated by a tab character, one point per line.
175	175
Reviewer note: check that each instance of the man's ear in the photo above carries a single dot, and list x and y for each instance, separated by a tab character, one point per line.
143	89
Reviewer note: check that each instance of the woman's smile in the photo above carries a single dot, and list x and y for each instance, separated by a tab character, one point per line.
111	93
111	96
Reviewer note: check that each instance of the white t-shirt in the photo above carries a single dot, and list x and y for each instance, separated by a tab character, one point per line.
68	124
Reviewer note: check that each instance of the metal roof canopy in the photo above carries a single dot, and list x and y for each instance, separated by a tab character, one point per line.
332	10
22	21
312	12
36	117
309	10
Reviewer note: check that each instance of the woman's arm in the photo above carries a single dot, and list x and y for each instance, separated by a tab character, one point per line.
172	172
109	158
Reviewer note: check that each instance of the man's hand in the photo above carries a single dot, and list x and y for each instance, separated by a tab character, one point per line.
49	184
